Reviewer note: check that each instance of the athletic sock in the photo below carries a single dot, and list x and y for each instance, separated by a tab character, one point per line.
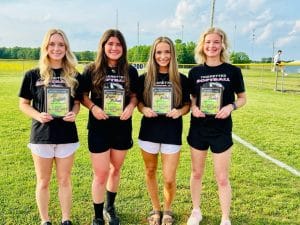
110	198
98	208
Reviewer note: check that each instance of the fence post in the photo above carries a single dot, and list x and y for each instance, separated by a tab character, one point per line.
276	79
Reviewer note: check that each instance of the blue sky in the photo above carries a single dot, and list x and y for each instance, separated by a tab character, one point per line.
257	27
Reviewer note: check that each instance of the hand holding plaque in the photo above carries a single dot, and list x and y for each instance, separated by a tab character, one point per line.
57	101
162	99
113	101
210	100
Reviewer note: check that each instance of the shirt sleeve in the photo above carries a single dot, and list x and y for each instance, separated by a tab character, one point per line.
191	82
140	91
133	76
79	90
185	89
25	90
86	80
238	84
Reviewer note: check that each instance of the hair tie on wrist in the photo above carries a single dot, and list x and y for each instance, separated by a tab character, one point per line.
92	107
234	106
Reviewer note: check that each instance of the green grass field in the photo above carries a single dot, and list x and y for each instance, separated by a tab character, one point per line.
263	193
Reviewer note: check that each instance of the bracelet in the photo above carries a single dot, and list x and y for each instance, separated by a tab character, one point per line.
234	106
92	107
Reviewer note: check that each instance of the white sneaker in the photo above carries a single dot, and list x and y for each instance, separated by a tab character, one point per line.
225	222
195	217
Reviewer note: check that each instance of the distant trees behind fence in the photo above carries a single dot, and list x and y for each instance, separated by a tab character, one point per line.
184	51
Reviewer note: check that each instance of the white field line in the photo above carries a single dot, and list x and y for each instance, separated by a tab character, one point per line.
264	155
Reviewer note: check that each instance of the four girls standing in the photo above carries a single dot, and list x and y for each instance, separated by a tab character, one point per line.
162	133
109	137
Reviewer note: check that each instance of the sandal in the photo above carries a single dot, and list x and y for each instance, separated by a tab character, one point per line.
154	217
167	218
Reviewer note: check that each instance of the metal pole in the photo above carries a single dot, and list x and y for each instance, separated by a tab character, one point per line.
282	80
276	78
138	33
182	32
212	13
117	19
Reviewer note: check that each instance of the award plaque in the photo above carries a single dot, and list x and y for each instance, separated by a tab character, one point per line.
113	101
162	99
210	100
57	101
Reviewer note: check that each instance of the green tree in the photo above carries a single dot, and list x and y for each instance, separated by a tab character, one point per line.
266	60
239	57
185	52
138	53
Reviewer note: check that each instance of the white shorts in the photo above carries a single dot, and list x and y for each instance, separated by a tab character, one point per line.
154	148
53	150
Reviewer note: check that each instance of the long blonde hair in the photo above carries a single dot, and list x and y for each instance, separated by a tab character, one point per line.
99	66
152	70
200	56
69	62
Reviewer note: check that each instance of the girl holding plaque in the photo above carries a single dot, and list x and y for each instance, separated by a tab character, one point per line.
217	89
54	138
107	80
163	100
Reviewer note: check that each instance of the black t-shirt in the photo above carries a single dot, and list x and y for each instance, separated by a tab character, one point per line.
112	80
56	131
163	129
230	78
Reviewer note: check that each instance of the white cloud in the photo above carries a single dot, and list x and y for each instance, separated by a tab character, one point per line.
264	34
186	13
23	23
284	41
245	5
296	28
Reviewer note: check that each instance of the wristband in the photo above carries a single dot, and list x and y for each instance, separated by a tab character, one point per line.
234	106
92	107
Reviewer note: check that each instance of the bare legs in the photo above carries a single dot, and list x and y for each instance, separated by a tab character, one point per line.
43	169
169	166
221	169
107	169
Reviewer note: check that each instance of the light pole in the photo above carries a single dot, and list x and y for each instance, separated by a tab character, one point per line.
138	33
253	40
212	13
117	19
182	33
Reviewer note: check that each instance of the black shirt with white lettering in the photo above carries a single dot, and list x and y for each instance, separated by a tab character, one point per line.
230	78
113	80
56	131
162	129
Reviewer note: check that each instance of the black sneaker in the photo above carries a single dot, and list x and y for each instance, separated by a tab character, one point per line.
66	222
98	221
47	223
110	215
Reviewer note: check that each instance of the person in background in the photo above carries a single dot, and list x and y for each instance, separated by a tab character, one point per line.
109	137
53	139
162	133
213	131
277	63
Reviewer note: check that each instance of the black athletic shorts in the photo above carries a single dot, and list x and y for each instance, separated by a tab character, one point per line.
218	143
116	137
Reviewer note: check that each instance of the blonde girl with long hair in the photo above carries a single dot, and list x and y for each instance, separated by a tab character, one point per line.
162	132
213	129
53	139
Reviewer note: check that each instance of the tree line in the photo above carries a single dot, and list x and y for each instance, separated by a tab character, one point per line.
184	51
